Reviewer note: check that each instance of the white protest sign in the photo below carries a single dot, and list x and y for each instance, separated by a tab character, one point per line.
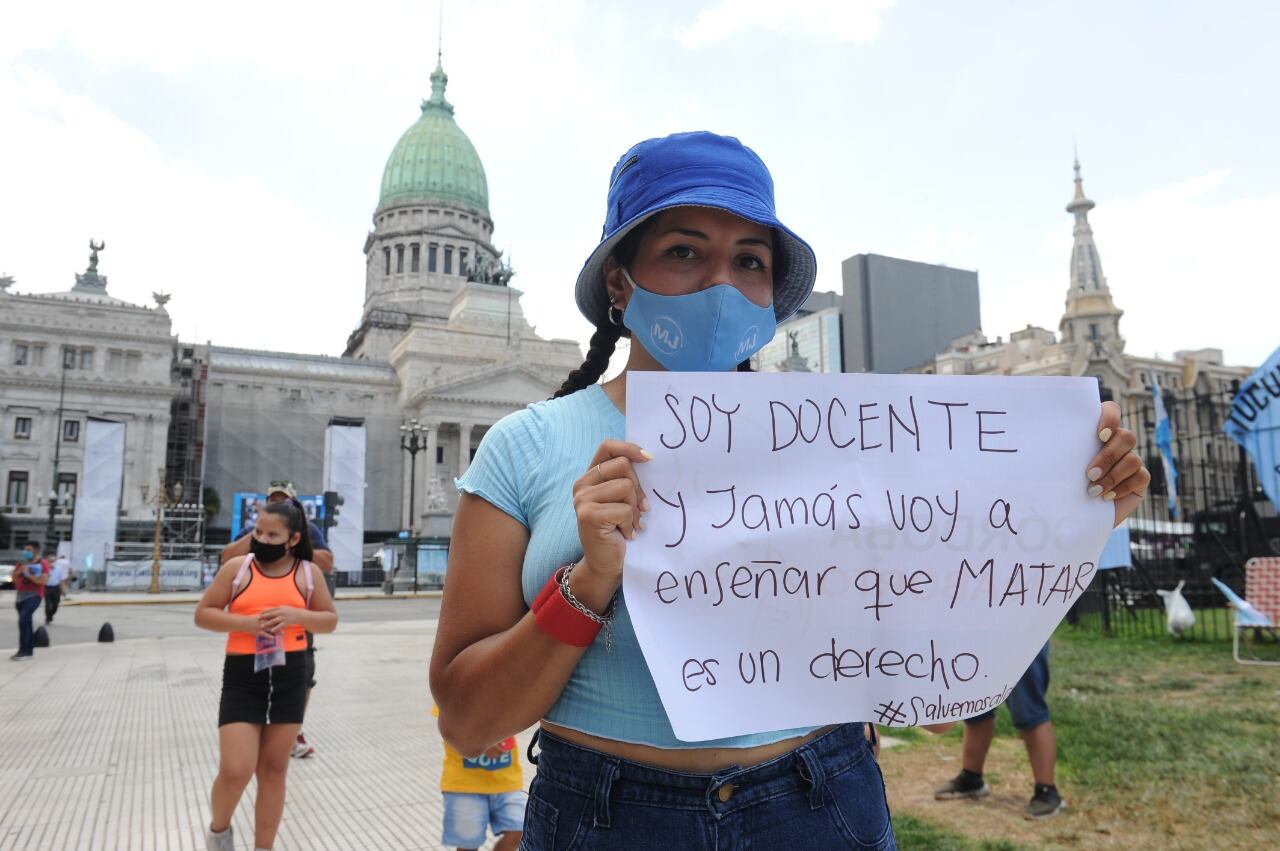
829	548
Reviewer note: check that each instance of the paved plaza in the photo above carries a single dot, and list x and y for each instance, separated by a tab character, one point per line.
114	746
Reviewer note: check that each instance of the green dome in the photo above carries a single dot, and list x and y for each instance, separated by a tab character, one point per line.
434	161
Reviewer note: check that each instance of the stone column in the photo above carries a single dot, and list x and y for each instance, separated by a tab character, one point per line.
429	467
464	446
424	475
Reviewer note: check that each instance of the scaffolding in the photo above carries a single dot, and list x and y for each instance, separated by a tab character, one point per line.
183	517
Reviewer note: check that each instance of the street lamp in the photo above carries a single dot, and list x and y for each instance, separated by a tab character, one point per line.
165	497
57	451
412	440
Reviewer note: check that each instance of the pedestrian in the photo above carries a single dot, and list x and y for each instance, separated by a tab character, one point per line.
1030	713
281	491
30	575
482	794
58	574
545	511
266	601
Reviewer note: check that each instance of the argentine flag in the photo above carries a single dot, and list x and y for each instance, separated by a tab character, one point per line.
1255	423
1164	442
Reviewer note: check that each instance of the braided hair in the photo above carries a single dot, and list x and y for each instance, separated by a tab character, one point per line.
603	342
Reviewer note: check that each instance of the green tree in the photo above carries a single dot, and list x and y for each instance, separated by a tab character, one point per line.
212	502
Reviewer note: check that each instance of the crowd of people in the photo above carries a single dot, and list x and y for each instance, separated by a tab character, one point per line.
532	600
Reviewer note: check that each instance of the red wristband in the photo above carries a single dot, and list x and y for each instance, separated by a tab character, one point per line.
552	587
557	617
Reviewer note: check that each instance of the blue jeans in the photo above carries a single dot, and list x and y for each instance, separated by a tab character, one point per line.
468	818
26	633
826	794
1026	702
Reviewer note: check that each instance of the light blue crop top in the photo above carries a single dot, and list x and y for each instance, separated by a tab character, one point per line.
526	465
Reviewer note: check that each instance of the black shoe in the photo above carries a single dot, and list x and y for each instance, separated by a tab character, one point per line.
21	657
966	784
1045	803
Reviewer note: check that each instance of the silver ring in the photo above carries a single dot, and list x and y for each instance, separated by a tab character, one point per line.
599	473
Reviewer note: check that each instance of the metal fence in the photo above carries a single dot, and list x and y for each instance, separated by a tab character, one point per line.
1222	520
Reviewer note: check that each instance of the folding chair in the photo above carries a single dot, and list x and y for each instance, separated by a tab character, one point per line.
1260	608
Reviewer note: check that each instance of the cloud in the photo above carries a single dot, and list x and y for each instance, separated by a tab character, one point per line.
246	266
856	21
1190	265
236	254
1193	267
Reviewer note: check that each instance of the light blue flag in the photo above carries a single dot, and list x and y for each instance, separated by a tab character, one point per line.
1254	423
1117	552
1164	442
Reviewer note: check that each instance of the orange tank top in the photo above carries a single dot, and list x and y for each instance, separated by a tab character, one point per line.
262	592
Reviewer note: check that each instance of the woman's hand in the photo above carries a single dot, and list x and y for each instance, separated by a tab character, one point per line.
272	621
609	502
1117	473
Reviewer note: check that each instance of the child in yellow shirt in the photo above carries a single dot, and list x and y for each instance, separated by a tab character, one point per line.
483	793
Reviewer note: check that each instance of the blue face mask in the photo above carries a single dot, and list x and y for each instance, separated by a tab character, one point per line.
712	330
27	555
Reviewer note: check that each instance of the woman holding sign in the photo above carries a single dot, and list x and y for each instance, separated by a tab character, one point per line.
696	269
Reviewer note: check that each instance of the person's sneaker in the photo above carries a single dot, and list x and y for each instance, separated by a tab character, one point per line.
21	657
301	749
1045	803
966	784
224	841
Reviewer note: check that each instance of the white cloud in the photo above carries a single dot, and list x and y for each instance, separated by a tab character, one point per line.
856	21
1190	265
235	254
1193	267
246	267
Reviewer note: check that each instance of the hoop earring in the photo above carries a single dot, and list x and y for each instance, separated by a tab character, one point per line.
610	312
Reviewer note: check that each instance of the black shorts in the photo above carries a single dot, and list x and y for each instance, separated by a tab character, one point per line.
275	696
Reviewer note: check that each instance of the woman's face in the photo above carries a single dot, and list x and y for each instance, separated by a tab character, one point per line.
271	529
688	249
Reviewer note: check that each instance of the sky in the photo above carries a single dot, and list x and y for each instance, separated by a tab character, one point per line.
230	154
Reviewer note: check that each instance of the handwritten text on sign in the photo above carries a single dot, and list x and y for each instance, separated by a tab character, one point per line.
827	548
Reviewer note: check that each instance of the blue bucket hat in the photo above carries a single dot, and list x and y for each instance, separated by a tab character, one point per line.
695	170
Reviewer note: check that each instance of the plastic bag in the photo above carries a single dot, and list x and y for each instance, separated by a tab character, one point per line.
268	652
1178	615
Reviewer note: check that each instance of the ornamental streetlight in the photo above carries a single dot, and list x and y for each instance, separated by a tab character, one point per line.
57	449
413	440
165	498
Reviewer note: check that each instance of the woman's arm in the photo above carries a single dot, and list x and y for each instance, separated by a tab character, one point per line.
493	672
487	642
238	547
211	611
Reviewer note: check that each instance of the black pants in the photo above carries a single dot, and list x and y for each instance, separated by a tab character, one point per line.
52	597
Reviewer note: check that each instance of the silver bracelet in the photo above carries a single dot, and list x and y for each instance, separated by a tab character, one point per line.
605	620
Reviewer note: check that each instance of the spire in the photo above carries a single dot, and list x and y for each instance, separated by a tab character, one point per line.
1079	202
1091	318
1086	267
439	79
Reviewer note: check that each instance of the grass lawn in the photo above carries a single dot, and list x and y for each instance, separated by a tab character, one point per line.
1161	744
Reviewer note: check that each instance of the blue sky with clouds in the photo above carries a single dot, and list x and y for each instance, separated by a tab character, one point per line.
231	154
